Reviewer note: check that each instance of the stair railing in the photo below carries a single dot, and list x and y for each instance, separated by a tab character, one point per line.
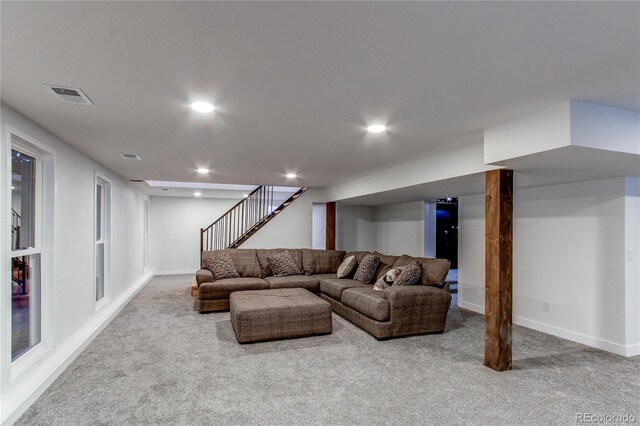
246	214
243	219
16	221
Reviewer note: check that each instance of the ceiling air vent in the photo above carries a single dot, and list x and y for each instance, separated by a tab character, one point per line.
131	157
69	94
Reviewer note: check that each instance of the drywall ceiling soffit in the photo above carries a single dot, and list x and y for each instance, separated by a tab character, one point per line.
571	164
296	82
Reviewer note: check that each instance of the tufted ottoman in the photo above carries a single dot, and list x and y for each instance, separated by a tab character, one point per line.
260	315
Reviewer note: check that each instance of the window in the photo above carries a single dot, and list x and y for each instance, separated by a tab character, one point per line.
103	199
26	249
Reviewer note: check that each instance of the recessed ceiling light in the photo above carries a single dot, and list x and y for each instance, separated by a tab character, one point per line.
13	187
197	194
291	175
376	128
201	106
203	171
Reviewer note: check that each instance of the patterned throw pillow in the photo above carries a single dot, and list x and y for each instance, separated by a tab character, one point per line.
380	285
221	266
346	267
409	276
367	269
283	265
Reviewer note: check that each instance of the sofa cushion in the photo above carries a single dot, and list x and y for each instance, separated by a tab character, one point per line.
432	271
367	269
283	265
410	275
368	302
262	255
347	267
295	281
386	263
321	261
221	266
325	276
221	289
245	261
334	287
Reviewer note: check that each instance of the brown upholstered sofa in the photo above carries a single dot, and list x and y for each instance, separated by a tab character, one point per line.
394	312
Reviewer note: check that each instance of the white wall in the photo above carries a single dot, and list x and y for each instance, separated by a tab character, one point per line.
389	229
174	229
632	264
73	317
175	224
355	228
319	226
400	228
569	252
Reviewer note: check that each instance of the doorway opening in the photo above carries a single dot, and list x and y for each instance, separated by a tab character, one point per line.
447	237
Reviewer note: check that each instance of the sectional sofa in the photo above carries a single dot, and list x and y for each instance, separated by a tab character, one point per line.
394	312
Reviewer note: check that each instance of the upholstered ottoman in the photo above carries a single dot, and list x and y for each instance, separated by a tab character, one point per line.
283	313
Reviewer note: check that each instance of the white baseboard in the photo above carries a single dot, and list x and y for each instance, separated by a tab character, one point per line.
42	374
176	272
633	350
594	342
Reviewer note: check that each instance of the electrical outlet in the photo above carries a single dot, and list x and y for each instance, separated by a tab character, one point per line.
545	305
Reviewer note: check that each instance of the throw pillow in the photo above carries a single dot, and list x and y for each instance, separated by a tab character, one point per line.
282	264
392	274
367	269
380	285
409	276
346	267
221	266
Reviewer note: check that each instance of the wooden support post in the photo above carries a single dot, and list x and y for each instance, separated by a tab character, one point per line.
330	237
498	269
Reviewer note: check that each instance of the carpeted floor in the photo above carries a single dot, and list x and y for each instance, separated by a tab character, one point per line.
161	363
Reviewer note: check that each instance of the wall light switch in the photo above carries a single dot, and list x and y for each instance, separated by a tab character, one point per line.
545	305
629	255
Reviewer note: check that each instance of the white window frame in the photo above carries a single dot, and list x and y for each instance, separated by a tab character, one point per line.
43	245
105	239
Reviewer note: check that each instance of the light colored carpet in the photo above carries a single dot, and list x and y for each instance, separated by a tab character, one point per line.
160	362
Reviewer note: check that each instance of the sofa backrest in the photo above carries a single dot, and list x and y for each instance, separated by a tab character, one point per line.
265	269
386	263
432	271
253	262
321	261
245	261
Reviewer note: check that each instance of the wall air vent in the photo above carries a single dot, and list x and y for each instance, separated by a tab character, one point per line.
69	94
136	180
131	157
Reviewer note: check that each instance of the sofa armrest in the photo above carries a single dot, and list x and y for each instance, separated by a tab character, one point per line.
417	309
204	276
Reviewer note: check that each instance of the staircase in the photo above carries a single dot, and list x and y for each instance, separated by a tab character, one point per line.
244	219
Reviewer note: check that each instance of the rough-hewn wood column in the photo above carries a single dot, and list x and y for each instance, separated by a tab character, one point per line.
330	240
498	269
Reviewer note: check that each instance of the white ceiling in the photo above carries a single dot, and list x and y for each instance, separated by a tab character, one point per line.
295	83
